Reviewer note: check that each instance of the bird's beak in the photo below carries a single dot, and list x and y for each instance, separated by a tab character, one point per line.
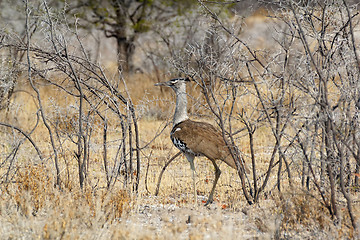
160	84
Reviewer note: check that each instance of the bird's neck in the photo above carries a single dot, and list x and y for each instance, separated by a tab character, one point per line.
181	105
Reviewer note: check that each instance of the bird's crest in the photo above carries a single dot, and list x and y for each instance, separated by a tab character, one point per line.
176	80
173	82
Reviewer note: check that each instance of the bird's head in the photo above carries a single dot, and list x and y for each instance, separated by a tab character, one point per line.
174	83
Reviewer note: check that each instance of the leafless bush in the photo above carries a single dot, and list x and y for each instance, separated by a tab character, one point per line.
9	72
302	87
293	103
94	102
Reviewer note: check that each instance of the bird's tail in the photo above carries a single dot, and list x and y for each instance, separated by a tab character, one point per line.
231	161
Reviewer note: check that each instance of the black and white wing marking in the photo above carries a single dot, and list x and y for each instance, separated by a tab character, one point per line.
181	145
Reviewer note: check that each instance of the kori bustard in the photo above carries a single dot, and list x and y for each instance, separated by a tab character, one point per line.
197	138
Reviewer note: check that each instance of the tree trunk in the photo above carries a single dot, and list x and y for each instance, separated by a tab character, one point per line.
125	40
125	52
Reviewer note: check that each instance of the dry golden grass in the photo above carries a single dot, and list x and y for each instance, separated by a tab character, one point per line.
32	208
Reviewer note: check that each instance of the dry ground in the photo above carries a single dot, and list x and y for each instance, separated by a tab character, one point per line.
31	208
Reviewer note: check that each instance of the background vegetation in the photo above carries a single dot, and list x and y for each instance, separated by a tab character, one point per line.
84	131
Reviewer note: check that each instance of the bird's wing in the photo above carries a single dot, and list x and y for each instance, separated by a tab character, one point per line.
201	138
204	139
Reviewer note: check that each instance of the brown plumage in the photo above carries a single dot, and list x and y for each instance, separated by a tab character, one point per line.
197	138
203	139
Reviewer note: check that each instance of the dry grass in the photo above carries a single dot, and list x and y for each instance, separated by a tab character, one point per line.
32	208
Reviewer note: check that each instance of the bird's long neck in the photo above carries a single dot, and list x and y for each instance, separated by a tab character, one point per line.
181	105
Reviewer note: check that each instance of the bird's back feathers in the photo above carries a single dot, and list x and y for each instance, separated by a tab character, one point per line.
200	138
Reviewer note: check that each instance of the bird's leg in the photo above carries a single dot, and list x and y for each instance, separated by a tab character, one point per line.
217	176
194	183
190	158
